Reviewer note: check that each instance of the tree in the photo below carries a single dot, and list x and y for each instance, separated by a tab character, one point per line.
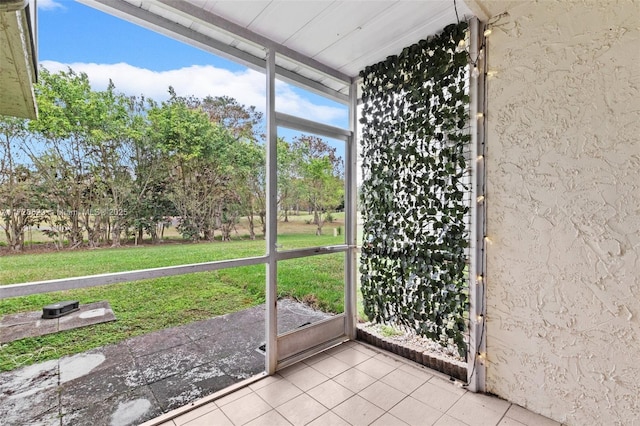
321	174
246	156
150	207
241	121
109	150
68	116
289	161
17	207
247	160
196	150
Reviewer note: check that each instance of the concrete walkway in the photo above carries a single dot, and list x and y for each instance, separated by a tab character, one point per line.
143	377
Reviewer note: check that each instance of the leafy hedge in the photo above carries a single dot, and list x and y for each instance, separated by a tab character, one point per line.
415	194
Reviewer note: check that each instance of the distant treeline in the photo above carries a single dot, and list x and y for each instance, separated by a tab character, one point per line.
100	166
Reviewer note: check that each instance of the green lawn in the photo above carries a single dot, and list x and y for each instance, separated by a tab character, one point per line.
149	305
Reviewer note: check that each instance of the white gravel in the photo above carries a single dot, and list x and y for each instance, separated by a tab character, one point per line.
413	341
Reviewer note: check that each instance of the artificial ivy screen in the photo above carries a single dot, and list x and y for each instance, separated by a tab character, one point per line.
415	193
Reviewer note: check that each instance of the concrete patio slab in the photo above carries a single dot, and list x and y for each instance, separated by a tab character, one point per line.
28	393
129	408
140	378
176	391
30	324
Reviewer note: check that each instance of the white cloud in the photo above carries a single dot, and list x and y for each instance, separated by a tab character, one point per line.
247	87
49	5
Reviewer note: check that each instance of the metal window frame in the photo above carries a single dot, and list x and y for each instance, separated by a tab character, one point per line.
145	18
37	287
326	332
299	344
272	217
476	363
130	12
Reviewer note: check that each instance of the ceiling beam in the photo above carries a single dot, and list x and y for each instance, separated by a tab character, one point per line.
145	18
196	13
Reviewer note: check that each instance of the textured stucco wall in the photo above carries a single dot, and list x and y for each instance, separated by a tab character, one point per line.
563	199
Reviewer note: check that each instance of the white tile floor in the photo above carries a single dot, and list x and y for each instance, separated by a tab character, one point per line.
353	384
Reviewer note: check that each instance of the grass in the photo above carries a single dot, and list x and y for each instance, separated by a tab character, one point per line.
140	307
297	224
388	331
65	264
149	305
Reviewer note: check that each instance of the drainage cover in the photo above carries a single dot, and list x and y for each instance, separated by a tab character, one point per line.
57	310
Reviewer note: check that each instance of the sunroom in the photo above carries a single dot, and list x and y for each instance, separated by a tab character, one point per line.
541	166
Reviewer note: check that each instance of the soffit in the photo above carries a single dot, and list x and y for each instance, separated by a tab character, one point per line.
17	60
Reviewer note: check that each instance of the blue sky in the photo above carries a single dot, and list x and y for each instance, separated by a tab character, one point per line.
140	61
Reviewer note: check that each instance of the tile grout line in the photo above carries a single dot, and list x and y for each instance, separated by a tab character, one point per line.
354	393
504	414
406	395
454	403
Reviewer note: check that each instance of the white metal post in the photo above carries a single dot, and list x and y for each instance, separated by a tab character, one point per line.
350	295
476	374
272	217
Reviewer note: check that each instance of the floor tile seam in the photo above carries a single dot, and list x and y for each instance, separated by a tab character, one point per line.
505	414
351	397
456	419
383	409
317	417
219	409
356	364
195	418
271	405
321	372
339	416
478	405
306	392
418	387
442	413
303	392
458	397
217	400
325	379
367	374
499	412
358	394
319	384
388	365
321	355
453	383
251	391
367	352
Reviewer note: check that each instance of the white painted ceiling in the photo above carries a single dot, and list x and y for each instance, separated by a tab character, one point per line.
326	42
345	35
